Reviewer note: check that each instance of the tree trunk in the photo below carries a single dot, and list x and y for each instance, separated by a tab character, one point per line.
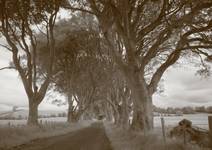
149	113
142	104
72	116
142	116
124	115
107	115
116	116
33	114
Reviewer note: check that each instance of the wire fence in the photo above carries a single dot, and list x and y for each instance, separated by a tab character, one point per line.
200	133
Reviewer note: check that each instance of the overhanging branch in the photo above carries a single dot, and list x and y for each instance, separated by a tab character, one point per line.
6	47
78	9
7	68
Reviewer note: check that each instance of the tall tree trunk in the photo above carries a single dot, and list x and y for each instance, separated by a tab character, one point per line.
116	116
124	115
142	104
33	114
71	114
73	117
142	115
108	112
149	113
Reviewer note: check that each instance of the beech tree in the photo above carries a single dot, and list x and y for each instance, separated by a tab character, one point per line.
79	66
146	37
20	22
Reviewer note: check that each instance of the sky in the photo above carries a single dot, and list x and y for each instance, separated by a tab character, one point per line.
181	88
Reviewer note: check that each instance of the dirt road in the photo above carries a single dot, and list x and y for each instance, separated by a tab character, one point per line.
90	138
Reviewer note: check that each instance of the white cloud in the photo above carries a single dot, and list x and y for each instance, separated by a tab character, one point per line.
184	88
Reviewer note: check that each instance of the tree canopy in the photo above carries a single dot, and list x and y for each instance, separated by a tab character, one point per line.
111	51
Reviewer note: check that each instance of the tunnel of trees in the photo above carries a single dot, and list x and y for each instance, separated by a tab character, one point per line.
108	56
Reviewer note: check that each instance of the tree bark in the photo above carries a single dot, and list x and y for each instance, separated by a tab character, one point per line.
71	114
142	104
124	115
116	116
33	114
142	113
72	117
143	117
108	112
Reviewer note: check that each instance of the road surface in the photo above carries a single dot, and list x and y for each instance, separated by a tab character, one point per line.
90	138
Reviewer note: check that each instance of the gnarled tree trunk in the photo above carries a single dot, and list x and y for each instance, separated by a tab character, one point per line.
142	103
142	115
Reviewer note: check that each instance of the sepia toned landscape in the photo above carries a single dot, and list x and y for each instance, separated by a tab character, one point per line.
105	74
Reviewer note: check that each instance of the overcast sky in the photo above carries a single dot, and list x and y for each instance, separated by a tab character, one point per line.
184	88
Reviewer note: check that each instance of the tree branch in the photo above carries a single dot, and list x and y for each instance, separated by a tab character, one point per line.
7	68
162	37
6	47
78	9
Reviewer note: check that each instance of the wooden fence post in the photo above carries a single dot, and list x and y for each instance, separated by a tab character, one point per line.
163	129
9	124
210	129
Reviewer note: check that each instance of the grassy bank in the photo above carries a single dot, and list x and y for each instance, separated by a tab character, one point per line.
125	140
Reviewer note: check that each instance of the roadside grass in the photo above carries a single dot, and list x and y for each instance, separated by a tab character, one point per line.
125	140
11	136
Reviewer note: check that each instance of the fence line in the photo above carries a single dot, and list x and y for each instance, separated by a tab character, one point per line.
206	132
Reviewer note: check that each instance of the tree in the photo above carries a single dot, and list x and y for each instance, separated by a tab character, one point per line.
147	37
188	110
79	64
200	109
21	21
209	109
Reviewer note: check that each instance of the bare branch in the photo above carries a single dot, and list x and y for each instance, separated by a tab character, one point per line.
6	47
9	67
78	9
163	36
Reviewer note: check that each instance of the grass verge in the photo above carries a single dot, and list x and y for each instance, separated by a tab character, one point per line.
125	140
17	135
